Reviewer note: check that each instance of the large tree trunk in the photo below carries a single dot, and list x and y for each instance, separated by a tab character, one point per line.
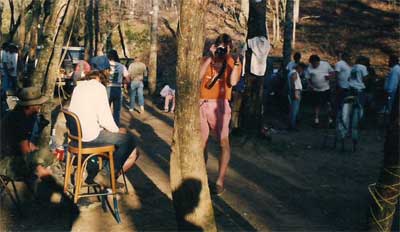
54	63
288	35
189	184
250	113
153	49
48	44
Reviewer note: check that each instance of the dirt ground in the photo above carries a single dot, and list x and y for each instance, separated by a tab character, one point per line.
287	184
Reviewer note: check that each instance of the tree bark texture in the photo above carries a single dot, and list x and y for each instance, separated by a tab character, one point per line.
54	62
189	184
1	20
49	34
250	113
89	35
153	48
288	34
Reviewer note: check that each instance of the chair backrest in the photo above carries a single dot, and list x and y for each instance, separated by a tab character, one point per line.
73	126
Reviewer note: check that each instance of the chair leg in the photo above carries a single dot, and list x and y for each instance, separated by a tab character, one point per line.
114	191
67	177
78	179
4	183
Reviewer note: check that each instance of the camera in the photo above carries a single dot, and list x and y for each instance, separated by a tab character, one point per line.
221	52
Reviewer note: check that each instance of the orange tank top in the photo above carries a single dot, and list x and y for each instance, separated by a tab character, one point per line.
222	88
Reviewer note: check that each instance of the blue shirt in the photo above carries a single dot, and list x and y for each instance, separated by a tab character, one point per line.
393	80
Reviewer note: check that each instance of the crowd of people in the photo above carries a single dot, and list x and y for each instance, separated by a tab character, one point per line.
97	100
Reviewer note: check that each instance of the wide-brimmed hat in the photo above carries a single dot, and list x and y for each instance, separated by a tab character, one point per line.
31	96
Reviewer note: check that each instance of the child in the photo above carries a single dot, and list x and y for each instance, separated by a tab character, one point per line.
169	95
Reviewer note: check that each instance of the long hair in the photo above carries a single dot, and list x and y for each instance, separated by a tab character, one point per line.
102	75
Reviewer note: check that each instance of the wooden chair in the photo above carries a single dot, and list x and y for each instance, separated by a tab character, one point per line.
82	152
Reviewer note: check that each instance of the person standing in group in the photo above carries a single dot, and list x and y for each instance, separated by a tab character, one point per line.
342	69
219	73
292	64
137	72
393	81
9	60
319	73
358	76
118	73
294	95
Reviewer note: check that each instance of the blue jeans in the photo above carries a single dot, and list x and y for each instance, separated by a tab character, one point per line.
294	110
124	145
115	98
136	87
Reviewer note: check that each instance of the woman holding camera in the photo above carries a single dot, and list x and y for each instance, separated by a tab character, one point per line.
219	73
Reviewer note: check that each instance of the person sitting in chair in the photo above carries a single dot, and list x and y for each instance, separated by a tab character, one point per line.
22	153
90	103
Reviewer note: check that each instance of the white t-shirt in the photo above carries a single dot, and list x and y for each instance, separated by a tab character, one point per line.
393	80
297	82
358	73
90	103
318	76
343	76
291	65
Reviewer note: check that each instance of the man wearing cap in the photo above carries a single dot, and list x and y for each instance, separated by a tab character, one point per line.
21	154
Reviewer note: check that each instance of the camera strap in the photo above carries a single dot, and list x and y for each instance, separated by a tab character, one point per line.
214	80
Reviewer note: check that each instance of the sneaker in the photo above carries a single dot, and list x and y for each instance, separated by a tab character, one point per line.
131	110
141	109
166	110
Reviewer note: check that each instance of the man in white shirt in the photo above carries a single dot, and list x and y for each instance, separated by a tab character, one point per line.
393	81
90	103
318	74
342	69
358	75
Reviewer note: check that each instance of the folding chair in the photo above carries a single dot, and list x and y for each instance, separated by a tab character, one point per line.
4	181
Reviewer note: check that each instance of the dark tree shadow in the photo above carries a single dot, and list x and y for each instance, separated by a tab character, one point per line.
188	195
40	213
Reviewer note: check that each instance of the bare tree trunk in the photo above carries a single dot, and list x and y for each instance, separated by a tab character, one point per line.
250	113
21	42
296	12
50	33
189	184
287	42
244	13
89	40
54	63
278	22
96	26
12	20
121	31
153	49
104	27
1	20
